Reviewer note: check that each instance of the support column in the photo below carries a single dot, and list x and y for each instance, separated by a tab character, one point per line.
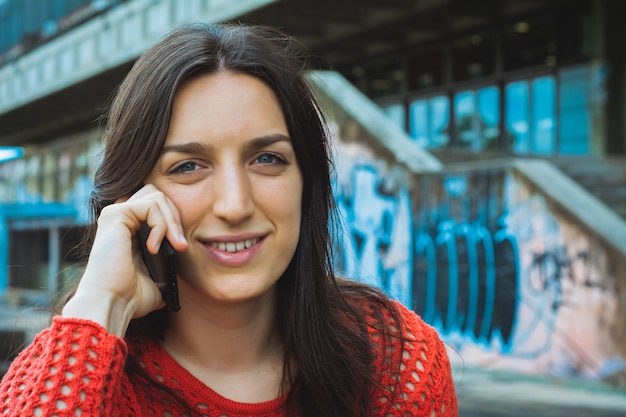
615	38
54	255
4	254
598	83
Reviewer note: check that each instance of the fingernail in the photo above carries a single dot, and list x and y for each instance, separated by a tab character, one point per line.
181	237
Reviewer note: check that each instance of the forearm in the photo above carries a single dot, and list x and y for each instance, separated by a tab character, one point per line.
74	365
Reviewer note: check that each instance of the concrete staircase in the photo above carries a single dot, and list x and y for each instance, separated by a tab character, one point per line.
605	178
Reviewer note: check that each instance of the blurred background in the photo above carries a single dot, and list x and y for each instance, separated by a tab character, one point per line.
480	160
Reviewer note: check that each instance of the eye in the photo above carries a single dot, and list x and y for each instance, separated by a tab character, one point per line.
185	167
269	158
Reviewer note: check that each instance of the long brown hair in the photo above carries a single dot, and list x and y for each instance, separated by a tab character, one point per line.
329	358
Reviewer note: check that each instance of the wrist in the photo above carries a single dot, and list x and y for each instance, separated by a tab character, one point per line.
109	311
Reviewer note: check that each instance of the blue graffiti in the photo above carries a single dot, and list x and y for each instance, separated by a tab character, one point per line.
455	285
375	245
462	277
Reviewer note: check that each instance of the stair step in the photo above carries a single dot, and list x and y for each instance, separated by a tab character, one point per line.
584	169
605	178
616	192
612	180
606	182
610	200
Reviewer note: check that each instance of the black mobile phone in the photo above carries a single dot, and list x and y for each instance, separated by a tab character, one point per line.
161	267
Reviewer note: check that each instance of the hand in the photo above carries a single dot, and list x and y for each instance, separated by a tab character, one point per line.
115	286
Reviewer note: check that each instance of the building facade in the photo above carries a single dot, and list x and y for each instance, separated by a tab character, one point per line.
455	121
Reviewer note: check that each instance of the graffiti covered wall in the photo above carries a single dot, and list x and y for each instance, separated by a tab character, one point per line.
508	280
571	314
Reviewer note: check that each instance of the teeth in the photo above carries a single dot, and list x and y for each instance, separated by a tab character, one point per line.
235	246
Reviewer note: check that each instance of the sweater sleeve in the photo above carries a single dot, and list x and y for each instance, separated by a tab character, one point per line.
422	376
74	368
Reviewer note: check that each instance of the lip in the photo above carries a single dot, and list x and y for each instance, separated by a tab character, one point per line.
219	255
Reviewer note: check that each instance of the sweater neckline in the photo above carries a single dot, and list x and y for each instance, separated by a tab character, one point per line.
198	394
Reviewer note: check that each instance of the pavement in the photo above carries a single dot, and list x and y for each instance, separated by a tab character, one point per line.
488	393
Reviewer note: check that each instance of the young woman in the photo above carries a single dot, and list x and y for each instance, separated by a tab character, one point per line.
217	143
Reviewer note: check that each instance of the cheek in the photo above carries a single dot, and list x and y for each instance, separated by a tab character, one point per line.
189	202
283	199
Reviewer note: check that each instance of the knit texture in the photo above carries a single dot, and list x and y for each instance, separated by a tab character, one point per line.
76	369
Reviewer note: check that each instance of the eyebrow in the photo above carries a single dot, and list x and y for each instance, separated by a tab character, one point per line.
194	147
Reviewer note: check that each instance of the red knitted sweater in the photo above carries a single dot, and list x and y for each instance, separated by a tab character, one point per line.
74	368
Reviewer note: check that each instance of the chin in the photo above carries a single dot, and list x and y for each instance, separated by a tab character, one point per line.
225	290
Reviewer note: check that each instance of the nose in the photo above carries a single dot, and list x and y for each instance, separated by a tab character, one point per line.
232	200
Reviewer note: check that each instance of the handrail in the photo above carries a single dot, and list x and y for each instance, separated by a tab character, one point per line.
575	200
338	94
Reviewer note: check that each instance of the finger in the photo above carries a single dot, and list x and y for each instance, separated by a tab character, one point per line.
171	215
164	219
175	232
143	192
166	222
152	206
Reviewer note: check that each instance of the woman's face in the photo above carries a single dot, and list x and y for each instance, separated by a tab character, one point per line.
229	167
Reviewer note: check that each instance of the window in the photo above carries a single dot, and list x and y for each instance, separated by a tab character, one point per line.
517	116
575	131
29	259
71	261
429	120
44	259
530	115
477	115
521	86
543	115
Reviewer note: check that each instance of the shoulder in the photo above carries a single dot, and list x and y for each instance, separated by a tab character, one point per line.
422	347
414	327
384	316
412	363
405	329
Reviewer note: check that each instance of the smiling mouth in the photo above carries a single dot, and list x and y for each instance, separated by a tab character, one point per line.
234	247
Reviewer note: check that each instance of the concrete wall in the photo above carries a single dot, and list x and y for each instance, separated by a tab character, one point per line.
490	254
509	281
